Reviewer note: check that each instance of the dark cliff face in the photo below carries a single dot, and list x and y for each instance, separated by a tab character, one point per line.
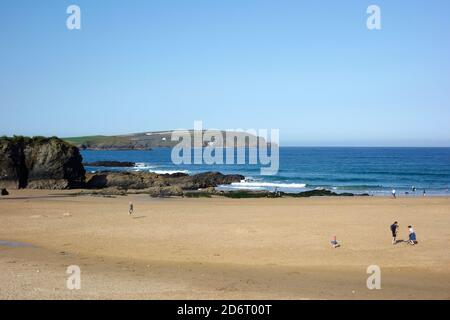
39	163
13	173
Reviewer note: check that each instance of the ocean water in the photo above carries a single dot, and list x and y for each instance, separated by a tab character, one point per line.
360	170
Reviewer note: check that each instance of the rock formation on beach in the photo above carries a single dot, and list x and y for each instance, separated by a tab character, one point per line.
111	164
146	180
51	163
39	163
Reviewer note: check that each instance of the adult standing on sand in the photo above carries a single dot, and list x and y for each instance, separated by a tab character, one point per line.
130	208
394	193
394	228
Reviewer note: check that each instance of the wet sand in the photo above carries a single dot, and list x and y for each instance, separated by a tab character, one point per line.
220	248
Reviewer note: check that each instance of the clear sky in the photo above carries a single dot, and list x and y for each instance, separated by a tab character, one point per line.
309	68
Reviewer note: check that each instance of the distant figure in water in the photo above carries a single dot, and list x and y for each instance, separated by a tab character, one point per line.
413	189
334	242
130	208
412	236
394	228
393	193
424	192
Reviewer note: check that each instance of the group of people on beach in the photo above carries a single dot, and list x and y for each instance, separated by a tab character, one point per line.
413	189
394	229
411	237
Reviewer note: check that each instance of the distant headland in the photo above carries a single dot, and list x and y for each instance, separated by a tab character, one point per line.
151	139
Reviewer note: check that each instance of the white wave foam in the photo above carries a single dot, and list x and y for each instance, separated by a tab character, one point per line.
249	185
142	166
169	171
229	187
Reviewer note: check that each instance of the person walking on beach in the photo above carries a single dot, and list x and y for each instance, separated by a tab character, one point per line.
412	236
394	193
394	228
424	192
130	208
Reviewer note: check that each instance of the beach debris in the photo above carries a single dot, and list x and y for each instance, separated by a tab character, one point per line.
4	192
66	214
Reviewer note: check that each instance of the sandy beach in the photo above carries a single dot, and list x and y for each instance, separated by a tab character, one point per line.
220	248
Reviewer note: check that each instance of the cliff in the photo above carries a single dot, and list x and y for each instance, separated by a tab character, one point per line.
39	163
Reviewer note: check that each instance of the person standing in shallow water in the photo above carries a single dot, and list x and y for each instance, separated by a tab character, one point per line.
394	193
130	208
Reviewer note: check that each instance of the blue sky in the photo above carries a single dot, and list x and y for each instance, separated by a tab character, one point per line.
309	68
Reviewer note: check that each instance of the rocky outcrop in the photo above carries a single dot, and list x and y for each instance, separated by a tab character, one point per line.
322	193
110	164
146	180
305	194
39	163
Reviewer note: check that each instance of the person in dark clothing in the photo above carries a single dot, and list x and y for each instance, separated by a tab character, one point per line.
394	228
130	208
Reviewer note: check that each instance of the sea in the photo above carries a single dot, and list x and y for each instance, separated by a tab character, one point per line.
376	171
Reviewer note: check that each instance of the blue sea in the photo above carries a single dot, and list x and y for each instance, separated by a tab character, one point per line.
359	170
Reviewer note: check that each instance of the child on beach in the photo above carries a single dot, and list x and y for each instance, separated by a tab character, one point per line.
412	236
130	208
393	193
394	228
334	243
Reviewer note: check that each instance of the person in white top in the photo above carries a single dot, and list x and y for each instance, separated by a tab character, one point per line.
412	236
393	193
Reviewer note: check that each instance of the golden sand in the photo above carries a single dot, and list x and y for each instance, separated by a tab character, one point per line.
221	248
